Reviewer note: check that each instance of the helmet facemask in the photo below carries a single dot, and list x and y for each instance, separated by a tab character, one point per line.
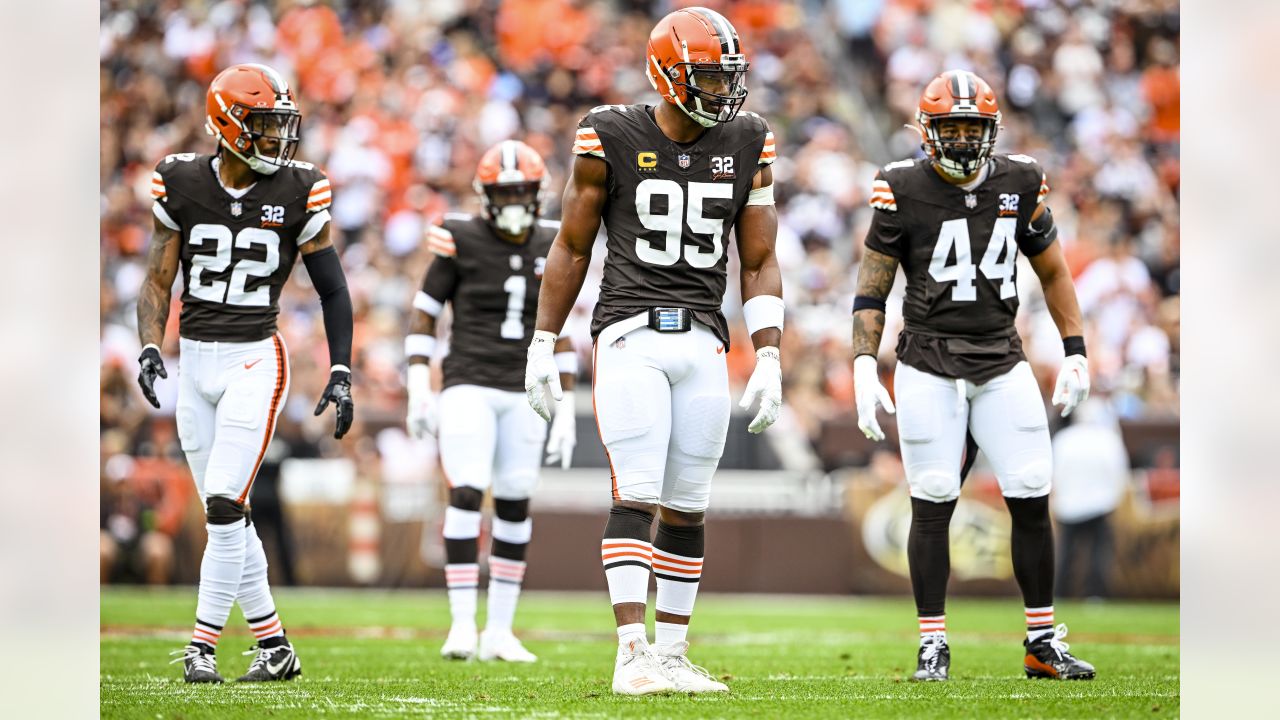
511	207
959	156
260	129
713	92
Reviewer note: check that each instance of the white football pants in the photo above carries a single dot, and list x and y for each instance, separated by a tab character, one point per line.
1006	416
229	396
490	437
662	407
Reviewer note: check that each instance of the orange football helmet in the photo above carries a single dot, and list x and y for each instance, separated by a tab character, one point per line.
695	61
958	94
251	110
509	181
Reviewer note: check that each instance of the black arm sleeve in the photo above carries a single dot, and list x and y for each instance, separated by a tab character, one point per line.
1040	234
331	284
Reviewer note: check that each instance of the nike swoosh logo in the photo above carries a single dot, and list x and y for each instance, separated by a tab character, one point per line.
275	669
720	350
248	365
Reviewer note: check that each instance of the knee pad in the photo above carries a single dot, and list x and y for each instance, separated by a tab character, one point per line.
466	498
511	510
936	486
1029	481
225	511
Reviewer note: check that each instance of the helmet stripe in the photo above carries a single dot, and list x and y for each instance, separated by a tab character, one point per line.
509	162
728	43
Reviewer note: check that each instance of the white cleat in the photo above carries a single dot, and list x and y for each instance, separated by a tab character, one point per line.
495	645
637	672
687	677
461	643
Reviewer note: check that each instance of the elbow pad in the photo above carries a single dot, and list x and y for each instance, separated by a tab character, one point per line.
331	284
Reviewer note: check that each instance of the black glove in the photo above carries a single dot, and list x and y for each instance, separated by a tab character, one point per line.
338	391
152	366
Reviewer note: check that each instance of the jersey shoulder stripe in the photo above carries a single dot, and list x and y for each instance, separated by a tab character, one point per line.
157	185
321	195
882	196
587	142
440	242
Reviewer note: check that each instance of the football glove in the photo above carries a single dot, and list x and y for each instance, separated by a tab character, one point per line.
422	419
868	393
1072	387
338	392
151	366
766	385
541	374
564	433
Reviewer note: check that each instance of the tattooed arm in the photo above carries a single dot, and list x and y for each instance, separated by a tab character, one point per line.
875	280
153	299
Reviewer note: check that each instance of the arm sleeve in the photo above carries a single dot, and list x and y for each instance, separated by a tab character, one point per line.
325	270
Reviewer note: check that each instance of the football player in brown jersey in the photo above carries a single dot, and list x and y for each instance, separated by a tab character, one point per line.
488	268
961	371
669	182
234	222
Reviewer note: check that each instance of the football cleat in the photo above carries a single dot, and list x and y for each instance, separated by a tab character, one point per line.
637	671
504	646
199	664
1047	657
687	677
934	661
461	643
272	663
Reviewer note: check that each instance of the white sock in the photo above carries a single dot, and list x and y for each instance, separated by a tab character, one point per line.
505	577
933	628
220	573
632	636
626	567
254	596
463	580
666	633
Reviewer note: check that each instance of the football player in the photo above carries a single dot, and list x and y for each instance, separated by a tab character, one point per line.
489	268
955	222
669	183
235	221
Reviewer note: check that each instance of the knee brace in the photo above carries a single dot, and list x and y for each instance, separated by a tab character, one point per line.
936	486
466	498
225	511
511	510
1029	481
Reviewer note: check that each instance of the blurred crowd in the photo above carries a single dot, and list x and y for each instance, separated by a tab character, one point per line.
400	98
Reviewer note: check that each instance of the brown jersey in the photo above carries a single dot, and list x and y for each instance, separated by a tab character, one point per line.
493	287
236	253
669	210
959	251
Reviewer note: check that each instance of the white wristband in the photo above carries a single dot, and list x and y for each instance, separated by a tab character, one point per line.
419	379
567	362
420	346
427	304
763	311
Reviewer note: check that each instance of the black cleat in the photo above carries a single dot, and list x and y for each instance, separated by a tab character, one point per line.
934	661
278	662
199	665
1047	657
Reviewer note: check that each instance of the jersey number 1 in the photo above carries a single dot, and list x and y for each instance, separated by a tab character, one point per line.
956	233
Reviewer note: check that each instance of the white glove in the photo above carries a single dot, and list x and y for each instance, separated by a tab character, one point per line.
541	372
422	419
1072	387
867	393
564	433
765	384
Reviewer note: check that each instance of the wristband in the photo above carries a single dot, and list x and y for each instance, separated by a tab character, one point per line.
1073	345
763	311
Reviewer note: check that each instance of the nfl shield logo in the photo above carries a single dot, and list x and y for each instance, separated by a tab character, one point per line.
971	201
516	262
236	209
683	160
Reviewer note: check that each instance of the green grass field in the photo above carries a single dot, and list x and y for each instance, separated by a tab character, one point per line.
376	654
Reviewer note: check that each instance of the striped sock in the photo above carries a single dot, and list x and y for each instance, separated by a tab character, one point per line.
677	566
626	567
933	627
1039	622
462	571
267	627
206	634
505	577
